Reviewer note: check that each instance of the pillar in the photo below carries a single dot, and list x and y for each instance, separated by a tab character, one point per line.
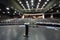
43	16
23	17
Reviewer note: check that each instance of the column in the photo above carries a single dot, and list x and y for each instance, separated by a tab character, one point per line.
23	17
43	16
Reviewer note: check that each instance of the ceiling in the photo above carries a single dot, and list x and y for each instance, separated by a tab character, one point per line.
34	6
37	5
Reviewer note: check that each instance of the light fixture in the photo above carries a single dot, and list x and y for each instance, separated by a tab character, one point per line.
3	12
38	5
31	0
57	11
8	12
20	2
22	6
47	0
7	8
43	5
27	4
26	1
15	12
39	0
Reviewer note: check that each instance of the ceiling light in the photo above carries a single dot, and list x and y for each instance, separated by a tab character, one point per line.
26	1
31	0
43	5
27	4
8	12
20	2
38	3
3	12
37	6
7	8
47	0
57	10
39	0
15	12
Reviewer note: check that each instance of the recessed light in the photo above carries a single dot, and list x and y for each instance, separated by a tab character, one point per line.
39	0
8	12
20	2
47	0
57	11
3	12
38	3
31	0
15	12
26	1
7	8
43	5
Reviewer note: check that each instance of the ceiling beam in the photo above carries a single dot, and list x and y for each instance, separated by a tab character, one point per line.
14	4
50	5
